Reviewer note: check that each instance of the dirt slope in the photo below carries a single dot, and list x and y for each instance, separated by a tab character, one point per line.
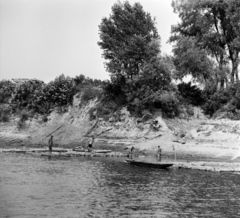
193	136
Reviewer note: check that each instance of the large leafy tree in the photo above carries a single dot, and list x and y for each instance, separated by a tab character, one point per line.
191	60
129	39
214	26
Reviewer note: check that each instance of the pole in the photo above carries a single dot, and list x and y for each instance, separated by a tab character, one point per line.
52	132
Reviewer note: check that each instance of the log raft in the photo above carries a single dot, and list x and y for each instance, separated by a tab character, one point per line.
65	152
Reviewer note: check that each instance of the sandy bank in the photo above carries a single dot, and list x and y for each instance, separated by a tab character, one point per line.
195	138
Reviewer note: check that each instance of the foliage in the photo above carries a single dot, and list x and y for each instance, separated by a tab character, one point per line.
4	113
169	104
191	60
26	94
217	101
140	77
59	92
191	93
114	89
80	82
6	91
106	108
225	102
215	27
128	38
21	125
143	91
44	118
91	93
24	116
37	96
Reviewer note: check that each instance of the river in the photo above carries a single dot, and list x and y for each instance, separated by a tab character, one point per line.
36	186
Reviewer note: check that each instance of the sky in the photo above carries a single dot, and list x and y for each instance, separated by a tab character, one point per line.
42	39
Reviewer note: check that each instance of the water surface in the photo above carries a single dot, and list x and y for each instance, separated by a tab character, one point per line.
35	186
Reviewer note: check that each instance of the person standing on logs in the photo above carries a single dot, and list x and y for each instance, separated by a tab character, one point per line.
131	152
50	143
90	145
159	153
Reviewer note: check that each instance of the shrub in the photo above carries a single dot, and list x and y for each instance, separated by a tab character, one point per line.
44	118
41	98
105	110
25	115
90	93
21	125
217	100
81	82
169	104
191	93
26	95
4	114
6	91
114	90
59	92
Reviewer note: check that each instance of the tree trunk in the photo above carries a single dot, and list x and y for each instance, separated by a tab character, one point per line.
234	73
221	75
235	63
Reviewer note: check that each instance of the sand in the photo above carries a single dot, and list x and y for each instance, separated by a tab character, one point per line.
194	139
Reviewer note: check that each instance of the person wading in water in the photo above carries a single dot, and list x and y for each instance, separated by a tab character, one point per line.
90	145
50	143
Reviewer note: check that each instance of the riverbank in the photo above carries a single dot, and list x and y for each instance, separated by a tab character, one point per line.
215	139
193	139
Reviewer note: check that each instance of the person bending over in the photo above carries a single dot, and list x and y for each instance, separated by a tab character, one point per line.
90	145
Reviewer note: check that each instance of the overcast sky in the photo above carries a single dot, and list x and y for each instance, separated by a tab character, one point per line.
43	39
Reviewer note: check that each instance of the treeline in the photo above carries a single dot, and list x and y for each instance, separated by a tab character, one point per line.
36	97
206	46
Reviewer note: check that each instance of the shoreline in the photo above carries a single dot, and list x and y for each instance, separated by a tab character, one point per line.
183	161
204	144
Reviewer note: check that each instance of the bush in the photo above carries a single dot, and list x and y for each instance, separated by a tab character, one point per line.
105	110
41	98
59	92
25	115
91	93
44	118
21	125
169	104
81	82
217	101
26	95
191	93
6	91
4	114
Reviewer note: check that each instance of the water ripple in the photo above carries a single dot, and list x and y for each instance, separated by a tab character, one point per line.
95	187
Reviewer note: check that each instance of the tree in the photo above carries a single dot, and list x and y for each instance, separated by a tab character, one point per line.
192	60
6	91
144	91
214	26
233	13
58	92
26	95
129	39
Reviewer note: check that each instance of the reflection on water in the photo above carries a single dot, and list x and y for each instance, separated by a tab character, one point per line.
84	187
